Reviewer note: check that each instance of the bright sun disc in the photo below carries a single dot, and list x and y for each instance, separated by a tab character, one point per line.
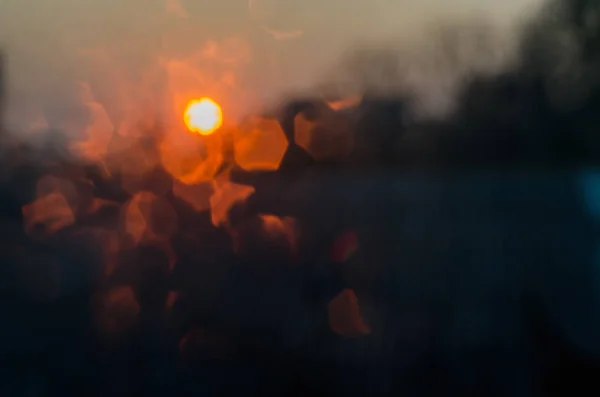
203	116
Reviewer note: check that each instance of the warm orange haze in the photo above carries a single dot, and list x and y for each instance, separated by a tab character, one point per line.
275	197
203	116
137	94
126	103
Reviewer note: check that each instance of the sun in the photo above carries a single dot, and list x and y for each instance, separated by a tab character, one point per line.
203	116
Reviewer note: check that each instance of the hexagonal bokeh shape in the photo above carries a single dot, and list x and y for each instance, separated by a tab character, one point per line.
259	144
327	137
191	158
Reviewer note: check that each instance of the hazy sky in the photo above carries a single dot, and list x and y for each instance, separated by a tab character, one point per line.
47	40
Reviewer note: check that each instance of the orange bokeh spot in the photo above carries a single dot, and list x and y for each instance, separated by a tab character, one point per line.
225	195
203	116
259	144
189	159
344	315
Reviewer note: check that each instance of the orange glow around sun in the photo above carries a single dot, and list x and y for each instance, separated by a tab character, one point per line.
203	116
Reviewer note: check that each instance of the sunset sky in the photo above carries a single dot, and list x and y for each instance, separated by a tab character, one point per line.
290	43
